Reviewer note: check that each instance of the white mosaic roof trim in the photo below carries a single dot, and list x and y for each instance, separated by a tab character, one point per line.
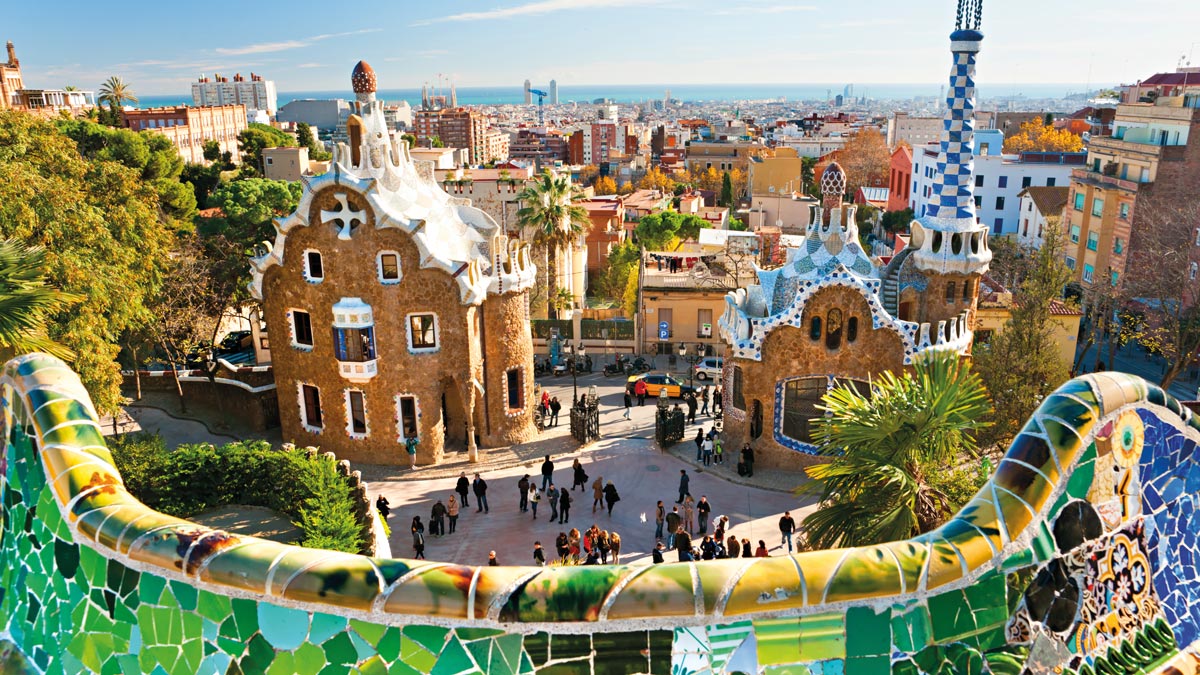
936	254
450	235
746	334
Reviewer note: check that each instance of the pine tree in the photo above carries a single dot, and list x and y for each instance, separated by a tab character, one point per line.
727	190
1021	366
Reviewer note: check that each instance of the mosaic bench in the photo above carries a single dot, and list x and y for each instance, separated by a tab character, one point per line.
1078	557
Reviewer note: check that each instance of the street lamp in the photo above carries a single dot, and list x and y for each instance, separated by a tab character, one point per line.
691	360
576	354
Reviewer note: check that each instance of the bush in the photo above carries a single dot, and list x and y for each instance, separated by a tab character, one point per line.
196	478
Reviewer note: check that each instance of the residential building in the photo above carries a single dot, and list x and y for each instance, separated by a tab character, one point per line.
290	164
995	310
596	143
1185	81
10	80
455	128
1152	157
255	93
398	312
495	146
189	128
774	172
877	197
644	202
916	131
14	95
722	156
323	114
790	212
999	179
607	231
543	147
1041	209
833	315
900	178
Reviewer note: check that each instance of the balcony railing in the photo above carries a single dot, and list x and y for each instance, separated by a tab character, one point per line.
1100	180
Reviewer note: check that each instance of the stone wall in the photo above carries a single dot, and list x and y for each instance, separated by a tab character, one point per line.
790	352
932	305
257	409
507	345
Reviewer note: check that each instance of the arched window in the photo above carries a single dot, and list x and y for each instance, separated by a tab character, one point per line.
814	328
833	329
951	292
852	329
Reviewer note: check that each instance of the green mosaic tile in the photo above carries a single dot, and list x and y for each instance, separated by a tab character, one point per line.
150	589
1081	478
213	606
325	626
868	665
453	660
402	668
340	649
570	646
537	647
432	638
362	648
416	656
868	633
309	659
246	614
389	644
951	616
371	632
373	666
285	628
258	658
184	594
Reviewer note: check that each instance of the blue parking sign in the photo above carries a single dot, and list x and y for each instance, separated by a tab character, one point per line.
664	330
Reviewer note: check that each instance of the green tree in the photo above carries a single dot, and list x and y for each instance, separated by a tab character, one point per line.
26	302
897	221
304	135
256	138
658	231
726	190
622	262
212	151
1020	366
436	142
808	174
203	179
410	139
249	207
105	237
884	447
551	214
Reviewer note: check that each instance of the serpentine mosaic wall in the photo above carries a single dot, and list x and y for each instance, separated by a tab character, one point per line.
1078	558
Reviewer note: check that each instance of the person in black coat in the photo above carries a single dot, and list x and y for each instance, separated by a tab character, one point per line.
547	473
610	496
748	459
480	489
462	488
564	505
382	505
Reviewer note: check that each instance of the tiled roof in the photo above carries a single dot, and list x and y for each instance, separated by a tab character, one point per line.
1172	79
1060	308
1048	200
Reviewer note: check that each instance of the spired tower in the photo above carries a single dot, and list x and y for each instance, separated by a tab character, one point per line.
949	245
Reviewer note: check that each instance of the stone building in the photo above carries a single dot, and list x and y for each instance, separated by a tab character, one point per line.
399	311
831	314
188	128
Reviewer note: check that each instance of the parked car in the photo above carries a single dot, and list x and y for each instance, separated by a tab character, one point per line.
709	368
235	341
655	382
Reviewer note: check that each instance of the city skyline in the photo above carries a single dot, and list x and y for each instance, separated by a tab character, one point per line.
820	43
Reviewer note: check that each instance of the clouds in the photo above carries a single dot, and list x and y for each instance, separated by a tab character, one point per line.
268	47
537	8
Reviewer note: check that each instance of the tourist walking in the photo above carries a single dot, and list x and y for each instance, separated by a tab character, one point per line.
718	450
452	513
597	493
640	389
708	449
703	511
580	476
683	485
547	473
610	496
691	404
523	489
437	519
614	542
410	446
462	488
555	407
552	500
704	400
382	505
564	505
539	556
689	514
717	402
534	498
660	514
699	444
418	535
787	526
628	404
479	487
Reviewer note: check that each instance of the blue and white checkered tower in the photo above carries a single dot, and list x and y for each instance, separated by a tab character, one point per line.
947	238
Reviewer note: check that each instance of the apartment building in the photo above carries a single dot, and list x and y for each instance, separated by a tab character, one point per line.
188	128
255	93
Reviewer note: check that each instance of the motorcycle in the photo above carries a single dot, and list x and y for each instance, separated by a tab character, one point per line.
617	367
638	366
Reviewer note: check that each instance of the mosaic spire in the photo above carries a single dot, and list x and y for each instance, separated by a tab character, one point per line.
953	191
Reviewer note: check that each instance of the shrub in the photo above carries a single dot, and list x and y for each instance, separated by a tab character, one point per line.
196	478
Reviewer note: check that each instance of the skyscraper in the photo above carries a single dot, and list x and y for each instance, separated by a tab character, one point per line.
553	92
528	96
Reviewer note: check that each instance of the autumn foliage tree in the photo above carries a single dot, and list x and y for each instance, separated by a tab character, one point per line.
866	160
1036	136
655	179
605	186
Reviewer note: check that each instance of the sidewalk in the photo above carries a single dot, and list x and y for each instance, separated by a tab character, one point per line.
1132	359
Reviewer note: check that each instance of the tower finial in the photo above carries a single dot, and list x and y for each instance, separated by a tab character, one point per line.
970	15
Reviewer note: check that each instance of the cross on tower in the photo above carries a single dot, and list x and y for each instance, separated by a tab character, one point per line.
347	217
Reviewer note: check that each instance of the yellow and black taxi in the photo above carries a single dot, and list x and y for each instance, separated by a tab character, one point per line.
656	382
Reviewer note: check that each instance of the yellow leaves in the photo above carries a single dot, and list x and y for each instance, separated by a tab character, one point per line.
605	186
1035	136
655	179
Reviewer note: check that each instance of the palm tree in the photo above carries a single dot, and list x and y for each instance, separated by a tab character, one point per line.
885	444
551	213
25	302
116	93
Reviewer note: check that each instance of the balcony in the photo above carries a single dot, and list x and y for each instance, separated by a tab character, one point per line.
1097	179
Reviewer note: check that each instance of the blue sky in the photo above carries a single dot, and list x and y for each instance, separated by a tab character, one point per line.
161	47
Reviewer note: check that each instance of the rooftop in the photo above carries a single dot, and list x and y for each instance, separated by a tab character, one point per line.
1048	200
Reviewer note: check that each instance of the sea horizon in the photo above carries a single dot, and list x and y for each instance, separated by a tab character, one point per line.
713	93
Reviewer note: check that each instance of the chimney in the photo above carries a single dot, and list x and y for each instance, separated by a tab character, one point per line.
12	54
